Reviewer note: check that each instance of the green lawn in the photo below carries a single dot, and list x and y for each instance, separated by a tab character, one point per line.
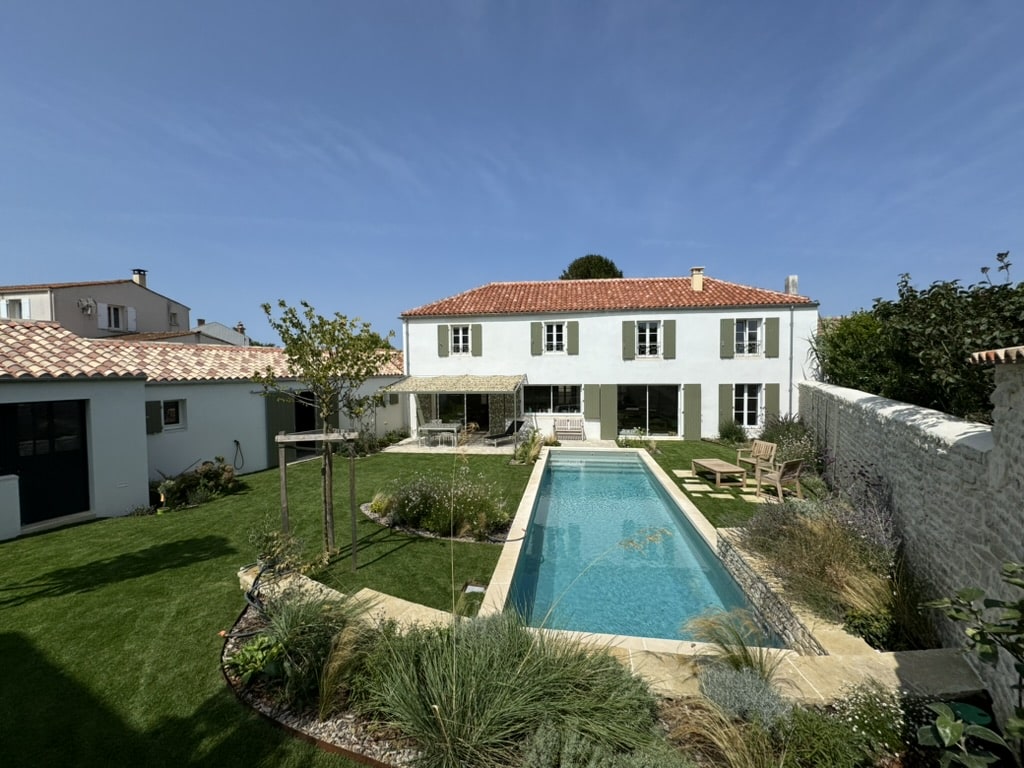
722	513
108	631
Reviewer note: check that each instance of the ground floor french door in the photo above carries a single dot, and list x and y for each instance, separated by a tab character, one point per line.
652	408
45	445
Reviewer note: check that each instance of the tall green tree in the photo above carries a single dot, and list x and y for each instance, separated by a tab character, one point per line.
333	357
590	267
916	348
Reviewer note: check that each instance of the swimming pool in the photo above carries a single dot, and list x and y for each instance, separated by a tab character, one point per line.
608	551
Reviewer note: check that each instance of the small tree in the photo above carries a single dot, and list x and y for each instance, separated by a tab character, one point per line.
333	357
590	267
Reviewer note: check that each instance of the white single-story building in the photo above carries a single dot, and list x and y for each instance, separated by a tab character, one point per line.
86	424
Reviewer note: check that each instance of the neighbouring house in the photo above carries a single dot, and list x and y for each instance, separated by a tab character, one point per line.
667	357
86	424
97	309
203	333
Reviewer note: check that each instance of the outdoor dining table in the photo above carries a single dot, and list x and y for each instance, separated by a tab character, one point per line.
441	428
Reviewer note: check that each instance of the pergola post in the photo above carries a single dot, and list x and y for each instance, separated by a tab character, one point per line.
283	472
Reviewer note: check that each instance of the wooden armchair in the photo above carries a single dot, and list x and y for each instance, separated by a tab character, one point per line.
787	473
759	454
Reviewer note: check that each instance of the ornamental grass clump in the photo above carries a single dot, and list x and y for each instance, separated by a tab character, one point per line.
461	505
472	692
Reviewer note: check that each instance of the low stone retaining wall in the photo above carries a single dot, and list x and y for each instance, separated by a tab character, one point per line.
764	596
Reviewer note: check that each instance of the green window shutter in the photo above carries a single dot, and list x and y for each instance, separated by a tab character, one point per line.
726	414
536	338
628	340
572	340
280	416
609	411
771	400
442	341
592	402
476	339
668	344
727	344
771	337
691	412
154	417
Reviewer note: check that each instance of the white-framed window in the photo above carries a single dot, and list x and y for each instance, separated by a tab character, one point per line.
746	404
115	316
460	340
648	338
173	414
14	310
559	398
554	337
748	337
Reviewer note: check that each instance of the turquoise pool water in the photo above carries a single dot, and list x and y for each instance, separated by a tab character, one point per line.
608	551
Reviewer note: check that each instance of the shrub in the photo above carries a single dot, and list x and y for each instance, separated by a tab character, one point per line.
275	549
743	693
731	433
738	641
258	659
209	480
793	440
305	625
472	692
878	720
554	747
457	506
814	739
715	738
822	561
528	451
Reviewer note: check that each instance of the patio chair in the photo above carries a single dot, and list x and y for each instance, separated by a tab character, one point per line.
787	473
759	454
509	434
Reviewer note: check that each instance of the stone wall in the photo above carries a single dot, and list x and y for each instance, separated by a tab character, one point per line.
956	487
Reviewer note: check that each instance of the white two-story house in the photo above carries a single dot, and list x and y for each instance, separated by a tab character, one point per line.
669	357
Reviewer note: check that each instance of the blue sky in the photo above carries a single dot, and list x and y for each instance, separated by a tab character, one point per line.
372	157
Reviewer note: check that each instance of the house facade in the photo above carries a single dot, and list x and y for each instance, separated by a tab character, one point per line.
86	424
667	357
97	309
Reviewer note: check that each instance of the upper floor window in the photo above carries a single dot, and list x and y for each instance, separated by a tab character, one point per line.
14	309
554	337
647	339
747	404
172	318
460	340
748	337
173	414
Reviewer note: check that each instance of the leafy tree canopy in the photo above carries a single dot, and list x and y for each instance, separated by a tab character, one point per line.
332	357
590	267
916	348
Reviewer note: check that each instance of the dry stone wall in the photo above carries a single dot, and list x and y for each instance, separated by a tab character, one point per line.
956	488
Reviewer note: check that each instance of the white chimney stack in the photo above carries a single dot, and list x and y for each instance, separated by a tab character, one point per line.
792	285
139	277
697	279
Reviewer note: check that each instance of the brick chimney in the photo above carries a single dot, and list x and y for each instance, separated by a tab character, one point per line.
200	321
139	277
792	285
697	279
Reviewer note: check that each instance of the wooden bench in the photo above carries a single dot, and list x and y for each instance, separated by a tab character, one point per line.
568	428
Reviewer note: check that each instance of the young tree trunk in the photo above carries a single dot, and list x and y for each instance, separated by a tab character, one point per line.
352	498
328	496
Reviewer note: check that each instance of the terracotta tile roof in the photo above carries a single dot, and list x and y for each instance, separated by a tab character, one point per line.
999	356
50	286
604	295
45	350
